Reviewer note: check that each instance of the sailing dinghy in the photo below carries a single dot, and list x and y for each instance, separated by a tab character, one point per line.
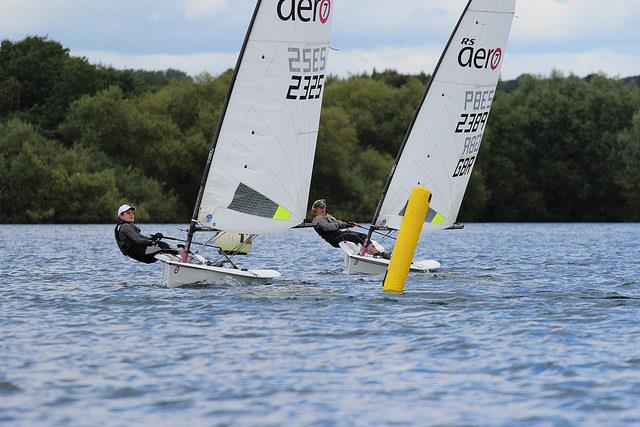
258	172
440	147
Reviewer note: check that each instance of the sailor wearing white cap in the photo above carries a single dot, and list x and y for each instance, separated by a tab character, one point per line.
133	243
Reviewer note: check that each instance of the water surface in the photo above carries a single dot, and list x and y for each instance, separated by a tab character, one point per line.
527	324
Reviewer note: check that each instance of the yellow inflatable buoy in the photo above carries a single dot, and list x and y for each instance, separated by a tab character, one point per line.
410	228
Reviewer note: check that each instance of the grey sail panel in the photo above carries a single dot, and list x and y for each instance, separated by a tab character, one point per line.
249	201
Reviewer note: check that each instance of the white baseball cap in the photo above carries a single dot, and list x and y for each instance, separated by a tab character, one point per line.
125	208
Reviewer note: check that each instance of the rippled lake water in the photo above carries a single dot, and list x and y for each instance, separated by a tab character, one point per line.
527	324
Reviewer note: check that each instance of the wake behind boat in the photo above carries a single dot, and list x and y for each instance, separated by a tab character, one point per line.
258	172
441	145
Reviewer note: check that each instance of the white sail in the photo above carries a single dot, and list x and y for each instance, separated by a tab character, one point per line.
261	168
445	137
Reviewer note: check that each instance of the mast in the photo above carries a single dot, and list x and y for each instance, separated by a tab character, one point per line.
207	168
408	133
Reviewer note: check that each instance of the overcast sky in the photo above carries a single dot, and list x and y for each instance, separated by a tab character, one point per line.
572	36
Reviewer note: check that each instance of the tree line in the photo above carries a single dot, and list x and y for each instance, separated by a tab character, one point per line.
77	140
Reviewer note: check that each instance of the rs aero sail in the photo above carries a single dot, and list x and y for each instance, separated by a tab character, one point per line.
258	172
442	143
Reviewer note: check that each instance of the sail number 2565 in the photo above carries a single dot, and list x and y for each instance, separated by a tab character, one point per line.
307	66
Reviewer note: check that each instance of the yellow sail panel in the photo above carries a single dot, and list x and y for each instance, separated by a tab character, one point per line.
438	219
282	214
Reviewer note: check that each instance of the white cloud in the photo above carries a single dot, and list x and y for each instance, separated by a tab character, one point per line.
156	16
402	20
423	59
18	17
613	64
198	9
213	63
570	20
580	36
404	60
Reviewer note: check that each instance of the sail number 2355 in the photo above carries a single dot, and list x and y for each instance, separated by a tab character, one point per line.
307	66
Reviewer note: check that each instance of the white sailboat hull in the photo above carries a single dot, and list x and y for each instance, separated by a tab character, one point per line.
357	264
176	273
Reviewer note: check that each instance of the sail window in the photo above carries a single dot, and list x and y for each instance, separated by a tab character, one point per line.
249	201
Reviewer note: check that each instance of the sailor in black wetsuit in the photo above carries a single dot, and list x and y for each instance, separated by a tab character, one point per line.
133	243
333	230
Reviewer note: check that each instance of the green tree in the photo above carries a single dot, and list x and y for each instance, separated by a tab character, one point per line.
550	146
78	139
627	175
105	121
367	178
336	149
504	165
349	176
43	181
47	78
10	90
371	106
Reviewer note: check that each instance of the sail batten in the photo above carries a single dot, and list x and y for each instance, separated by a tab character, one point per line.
442	144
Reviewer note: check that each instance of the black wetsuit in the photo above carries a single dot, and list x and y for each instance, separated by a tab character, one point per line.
136	245
331	230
